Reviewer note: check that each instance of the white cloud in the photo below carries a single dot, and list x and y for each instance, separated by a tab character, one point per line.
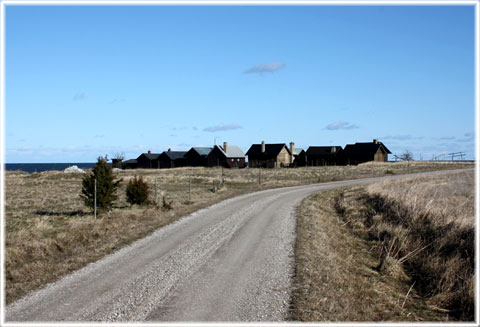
340	125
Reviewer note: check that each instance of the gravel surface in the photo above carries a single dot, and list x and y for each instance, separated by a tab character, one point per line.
233	261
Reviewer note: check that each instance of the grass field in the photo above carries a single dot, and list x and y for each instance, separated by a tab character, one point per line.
392	251
49	232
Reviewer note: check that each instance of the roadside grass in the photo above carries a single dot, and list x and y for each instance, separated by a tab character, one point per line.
392	251
336	278
49	232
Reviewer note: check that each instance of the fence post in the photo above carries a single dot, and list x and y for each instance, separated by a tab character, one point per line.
259	176
156	197
95	201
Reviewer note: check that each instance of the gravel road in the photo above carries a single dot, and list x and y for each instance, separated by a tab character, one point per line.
233	261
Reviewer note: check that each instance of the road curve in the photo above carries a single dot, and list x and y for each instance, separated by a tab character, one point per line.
233	261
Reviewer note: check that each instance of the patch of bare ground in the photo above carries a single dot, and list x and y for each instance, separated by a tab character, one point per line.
49	232
392	251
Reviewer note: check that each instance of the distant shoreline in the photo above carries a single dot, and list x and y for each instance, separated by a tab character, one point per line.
41	167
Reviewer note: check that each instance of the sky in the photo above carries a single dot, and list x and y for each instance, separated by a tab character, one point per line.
85	81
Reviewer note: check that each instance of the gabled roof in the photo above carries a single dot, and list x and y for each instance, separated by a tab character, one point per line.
233	151
131	161
297	151
323	150
174	155
150	156
364	148
271	150
202	151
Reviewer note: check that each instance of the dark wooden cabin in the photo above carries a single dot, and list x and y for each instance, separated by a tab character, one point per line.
172	159
299	157
324	155
358	153
228	156
148	160
129	164
269	155
197	156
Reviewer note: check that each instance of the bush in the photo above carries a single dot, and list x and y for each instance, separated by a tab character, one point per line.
137	191
107	185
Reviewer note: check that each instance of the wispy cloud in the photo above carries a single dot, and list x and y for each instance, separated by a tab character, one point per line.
117	100
181	128
79	96
402	137
469	137
340	125
265	68
222	127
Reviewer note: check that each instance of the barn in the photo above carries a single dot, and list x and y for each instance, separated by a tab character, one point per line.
357	153
269	155
228	156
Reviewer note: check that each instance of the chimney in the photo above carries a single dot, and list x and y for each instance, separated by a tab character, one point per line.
292	149
149	152
376	141
225	146
169	149
263	146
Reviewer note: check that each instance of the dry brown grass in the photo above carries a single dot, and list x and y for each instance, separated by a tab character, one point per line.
336	275
423	232
49	231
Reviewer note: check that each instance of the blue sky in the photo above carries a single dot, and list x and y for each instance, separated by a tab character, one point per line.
83	81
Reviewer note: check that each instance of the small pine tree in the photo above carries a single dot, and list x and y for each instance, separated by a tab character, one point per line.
137	191
107	185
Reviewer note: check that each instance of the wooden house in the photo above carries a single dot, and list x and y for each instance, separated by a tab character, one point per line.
228	156
172	159
197	156
269	155
148	160
357	153
299	157
129	164
324	155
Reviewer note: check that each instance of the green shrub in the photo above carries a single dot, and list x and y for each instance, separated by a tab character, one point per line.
137	191
107	185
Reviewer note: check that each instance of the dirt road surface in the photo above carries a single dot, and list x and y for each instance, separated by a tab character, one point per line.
233	261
